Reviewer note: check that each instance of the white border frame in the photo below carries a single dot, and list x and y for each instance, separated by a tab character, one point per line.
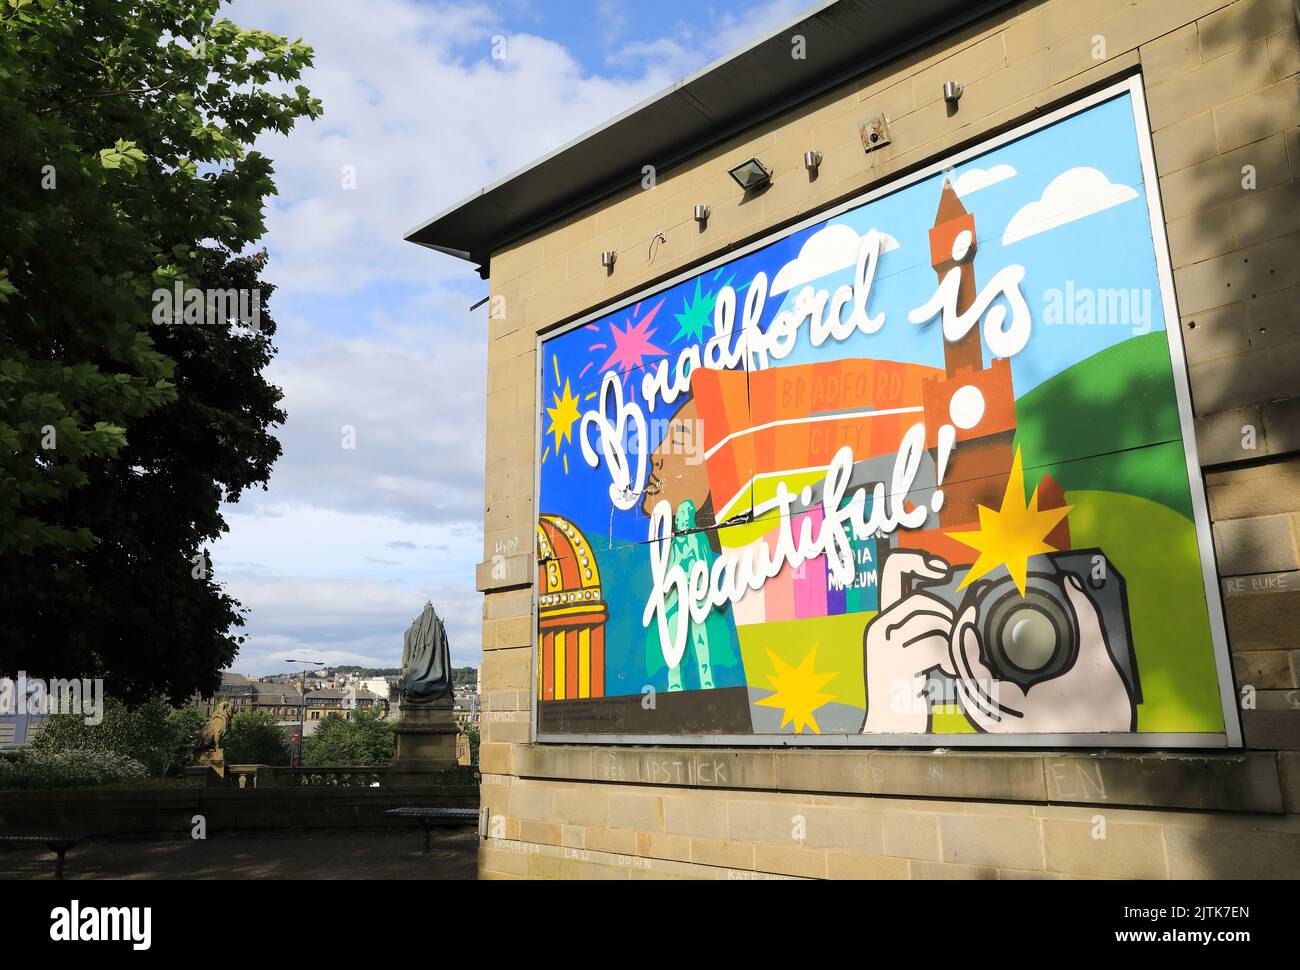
1231	736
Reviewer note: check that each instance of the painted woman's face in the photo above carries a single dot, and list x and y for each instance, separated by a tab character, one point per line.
677	471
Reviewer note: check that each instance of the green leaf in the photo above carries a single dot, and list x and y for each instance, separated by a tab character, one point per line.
156	426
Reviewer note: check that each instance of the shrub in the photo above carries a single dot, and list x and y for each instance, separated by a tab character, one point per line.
32	768
151	733
365	739
255	738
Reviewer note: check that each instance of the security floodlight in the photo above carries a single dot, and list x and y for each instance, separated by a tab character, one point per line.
751	175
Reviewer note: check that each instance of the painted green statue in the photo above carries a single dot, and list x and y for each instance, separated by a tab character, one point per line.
707	643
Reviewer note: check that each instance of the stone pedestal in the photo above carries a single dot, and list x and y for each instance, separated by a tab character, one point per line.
426	742
214	759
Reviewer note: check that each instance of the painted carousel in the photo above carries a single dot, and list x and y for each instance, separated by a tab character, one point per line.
571	614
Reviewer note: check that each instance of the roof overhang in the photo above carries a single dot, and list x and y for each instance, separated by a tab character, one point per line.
843	39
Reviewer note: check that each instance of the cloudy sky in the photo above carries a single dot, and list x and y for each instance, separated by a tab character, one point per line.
338	556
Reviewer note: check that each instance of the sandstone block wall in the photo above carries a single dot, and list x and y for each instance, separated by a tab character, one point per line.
1224	100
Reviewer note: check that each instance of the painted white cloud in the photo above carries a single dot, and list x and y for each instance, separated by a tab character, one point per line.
827	251
974	179
1074	194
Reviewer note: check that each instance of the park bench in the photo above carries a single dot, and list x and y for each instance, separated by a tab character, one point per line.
55	843
429	818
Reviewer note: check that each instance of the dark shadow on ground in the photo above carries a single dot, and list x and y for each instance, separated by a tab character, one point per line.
363	854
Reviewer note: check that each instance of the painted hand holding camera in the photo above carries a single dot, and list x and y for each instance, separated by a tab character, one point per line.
1041	662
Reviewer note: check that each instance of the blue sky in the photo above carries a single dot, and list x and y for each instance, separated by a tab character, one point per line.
336	558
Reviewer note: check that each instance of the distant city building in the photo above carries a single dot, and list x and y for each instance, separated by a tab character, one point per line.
380	686
274	697
466	701
281	701
340	700
236	689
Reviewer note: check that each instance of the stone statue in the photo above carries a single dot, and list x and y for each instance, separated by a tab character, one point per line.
426	730
426	661
214	731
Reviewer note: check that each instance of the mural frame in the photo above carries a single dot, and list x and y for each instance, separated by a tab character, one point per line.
1231	738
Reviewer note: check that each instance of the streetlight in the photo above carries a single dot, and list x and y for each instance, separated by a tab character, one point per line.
302	711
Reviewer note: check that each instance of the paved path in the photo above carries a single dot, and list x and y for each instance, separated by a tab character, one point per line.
343	854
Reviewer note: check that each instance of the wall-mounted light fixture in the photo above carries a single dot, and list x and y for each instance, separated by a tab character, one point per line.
812	160
608	258
751	174
952	92
702	213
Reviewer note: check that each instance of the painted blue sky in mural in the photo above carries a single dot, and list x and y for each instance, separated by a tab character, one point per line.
1066	202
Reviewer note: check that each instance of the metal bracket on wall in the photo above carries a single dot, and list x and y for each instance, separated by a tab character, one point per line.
874	133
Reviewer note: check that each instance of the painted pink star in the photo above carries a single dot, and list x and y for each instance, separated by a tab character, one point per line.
633	345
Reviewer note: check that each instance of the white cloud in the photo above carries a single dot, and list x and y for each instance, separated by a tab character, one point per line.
418	107
736	30
974	179
347	620
418	413
612	20
826	251
343	586
689	47
375	332
1074	194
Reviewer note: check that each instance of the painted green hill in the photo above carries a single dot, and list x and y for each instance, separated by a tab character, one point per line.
1109	423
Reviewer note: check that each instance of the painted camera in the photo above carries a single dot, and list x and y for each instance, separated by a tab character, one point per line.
1035	637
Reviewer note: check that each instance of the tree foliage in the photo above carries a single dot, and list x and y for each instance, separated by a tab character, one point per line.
255	738
364	739
151	733
127	168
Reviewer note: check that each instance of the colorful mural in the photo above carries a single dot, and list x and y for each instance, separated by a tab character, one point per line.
916	472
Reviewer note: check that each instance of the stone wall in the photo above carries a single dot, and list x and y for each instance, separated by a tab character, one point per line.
727	814
1221	84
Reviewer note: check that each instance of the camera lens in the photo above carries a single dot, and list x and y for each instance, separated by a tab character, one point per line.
1029	638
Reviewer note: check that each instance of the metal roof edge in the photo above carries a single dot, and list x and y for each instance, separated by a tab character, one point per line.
600	184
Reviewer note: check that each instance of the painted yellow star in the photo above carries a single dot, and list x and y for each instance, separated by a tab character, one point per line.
563	415
798	691
1012	534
